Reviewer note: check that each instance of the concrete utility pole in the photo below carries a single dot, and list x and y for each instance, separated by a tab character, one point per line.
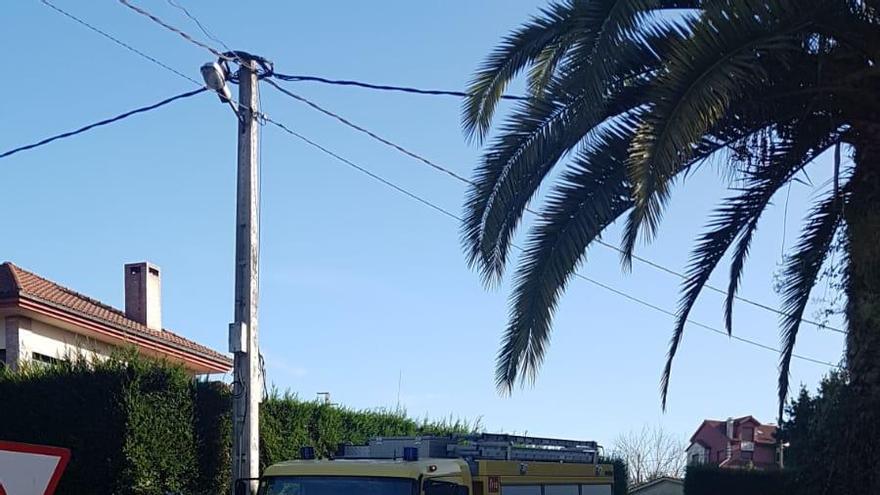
247	390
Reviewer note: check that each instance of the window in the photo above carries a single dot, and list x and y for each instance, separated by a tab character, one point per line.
595	489
2	358
695	458
520	490
561	490
748	434
42	358
337	485
746	455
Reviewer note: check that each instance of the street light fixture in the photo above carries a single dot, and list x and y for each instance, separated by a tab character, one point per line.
215	78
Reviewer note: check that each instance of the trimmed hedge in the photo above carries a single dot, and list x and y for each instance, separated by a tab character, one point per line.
704	480
127	424
140	427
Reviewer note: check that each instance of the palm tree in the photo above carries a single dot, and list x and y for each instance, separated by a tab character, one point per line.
629	96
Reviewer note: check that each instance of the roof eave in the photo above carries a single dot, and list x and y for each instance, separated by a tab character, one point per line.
211	364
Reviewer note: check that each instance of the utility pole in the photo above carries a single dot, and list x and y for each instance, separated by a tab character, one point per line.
247	379
247	390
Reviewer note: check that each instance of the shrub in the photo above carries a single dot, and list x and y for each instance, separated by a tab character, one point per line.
127	422
704	480
136	426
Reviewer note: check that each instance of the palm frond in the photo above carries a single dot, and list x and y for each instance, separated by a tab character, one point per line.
536	136
737	218
799	276
516	52
807	140
589	196
723	61
535	139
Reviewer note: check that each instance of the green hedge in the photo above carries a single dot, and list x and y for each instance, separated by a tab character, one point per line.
702	480
139	427
128	424
621	474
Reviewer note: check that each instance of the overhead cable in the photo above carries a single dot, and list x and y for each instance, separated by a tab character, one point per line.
465	180
103	122
453	216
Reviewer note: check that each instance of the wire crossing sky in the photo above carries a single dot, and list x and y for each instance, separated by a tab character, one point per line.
354	277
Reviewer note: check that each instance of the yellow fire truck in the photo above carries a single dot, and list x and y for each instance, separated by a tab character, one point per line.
485	464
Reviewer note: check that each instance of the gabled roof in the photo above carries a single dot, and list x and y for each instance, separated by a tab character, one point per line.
17	283
763	433
658	481
710	423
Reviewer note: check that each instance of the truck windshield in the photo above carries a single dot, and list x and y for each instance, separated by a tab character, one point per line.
337	485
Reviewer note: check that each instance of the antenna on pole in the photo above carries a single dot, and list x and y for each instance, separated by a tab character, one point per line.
399	381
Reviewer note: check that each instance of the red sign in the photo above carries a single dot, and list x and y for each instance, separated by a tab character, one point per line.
27	469
494	484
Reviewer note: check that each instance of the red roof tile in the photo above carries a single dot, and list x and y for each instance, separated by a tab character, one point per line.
14	281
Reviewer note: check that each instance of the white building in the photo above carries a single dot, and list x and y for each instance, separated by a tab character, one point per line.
43	321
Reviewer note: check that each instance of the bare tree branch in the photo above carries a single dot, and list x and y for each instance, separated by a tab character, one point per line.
650	453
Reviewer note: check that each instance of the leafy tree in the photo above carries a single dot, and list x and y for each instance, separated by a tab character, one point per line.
831	440
629	97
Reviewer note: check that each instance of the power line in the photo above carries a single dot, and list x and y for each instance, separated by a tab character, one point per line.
362	169
465	180
385	87
368	132
118	41
104	122
453	216
391	144
180	32
207	32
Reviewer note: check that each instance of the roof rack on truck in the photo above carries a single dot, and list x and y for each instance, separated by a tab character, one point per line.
485	446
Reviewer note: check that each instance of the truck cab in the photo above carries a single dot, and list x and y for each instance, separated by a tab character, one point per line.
367	477
484	464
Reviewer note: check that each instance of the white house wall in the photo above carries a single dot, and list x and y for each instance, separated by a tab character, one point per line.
58	343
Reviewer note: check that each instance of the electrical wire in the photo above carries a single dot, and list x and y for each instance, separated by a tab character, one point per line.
362	169
186	36
465	180
118	41
391	144
207	32
453	216
103	122
385	87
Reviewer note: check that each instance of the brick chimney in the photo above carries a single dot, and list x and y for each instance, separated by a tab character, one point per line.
143	294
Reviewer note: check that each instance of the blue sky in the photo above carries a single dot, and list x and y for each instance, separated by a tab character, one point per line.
359	284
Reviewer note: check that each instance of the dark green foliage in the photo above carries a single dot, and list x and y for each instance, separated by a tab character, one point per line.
626	99
140	427
127	423
212	429
286	424
621	475
700	480
841	427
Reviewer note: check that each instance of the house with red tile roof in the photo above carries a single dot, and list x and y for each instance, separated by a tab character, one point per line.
42	321
736	443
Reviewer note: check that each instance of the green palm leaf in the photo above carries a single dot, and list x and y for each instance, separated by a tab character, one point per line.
737	218
799	277
589	196
536	136
516	52
725	60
